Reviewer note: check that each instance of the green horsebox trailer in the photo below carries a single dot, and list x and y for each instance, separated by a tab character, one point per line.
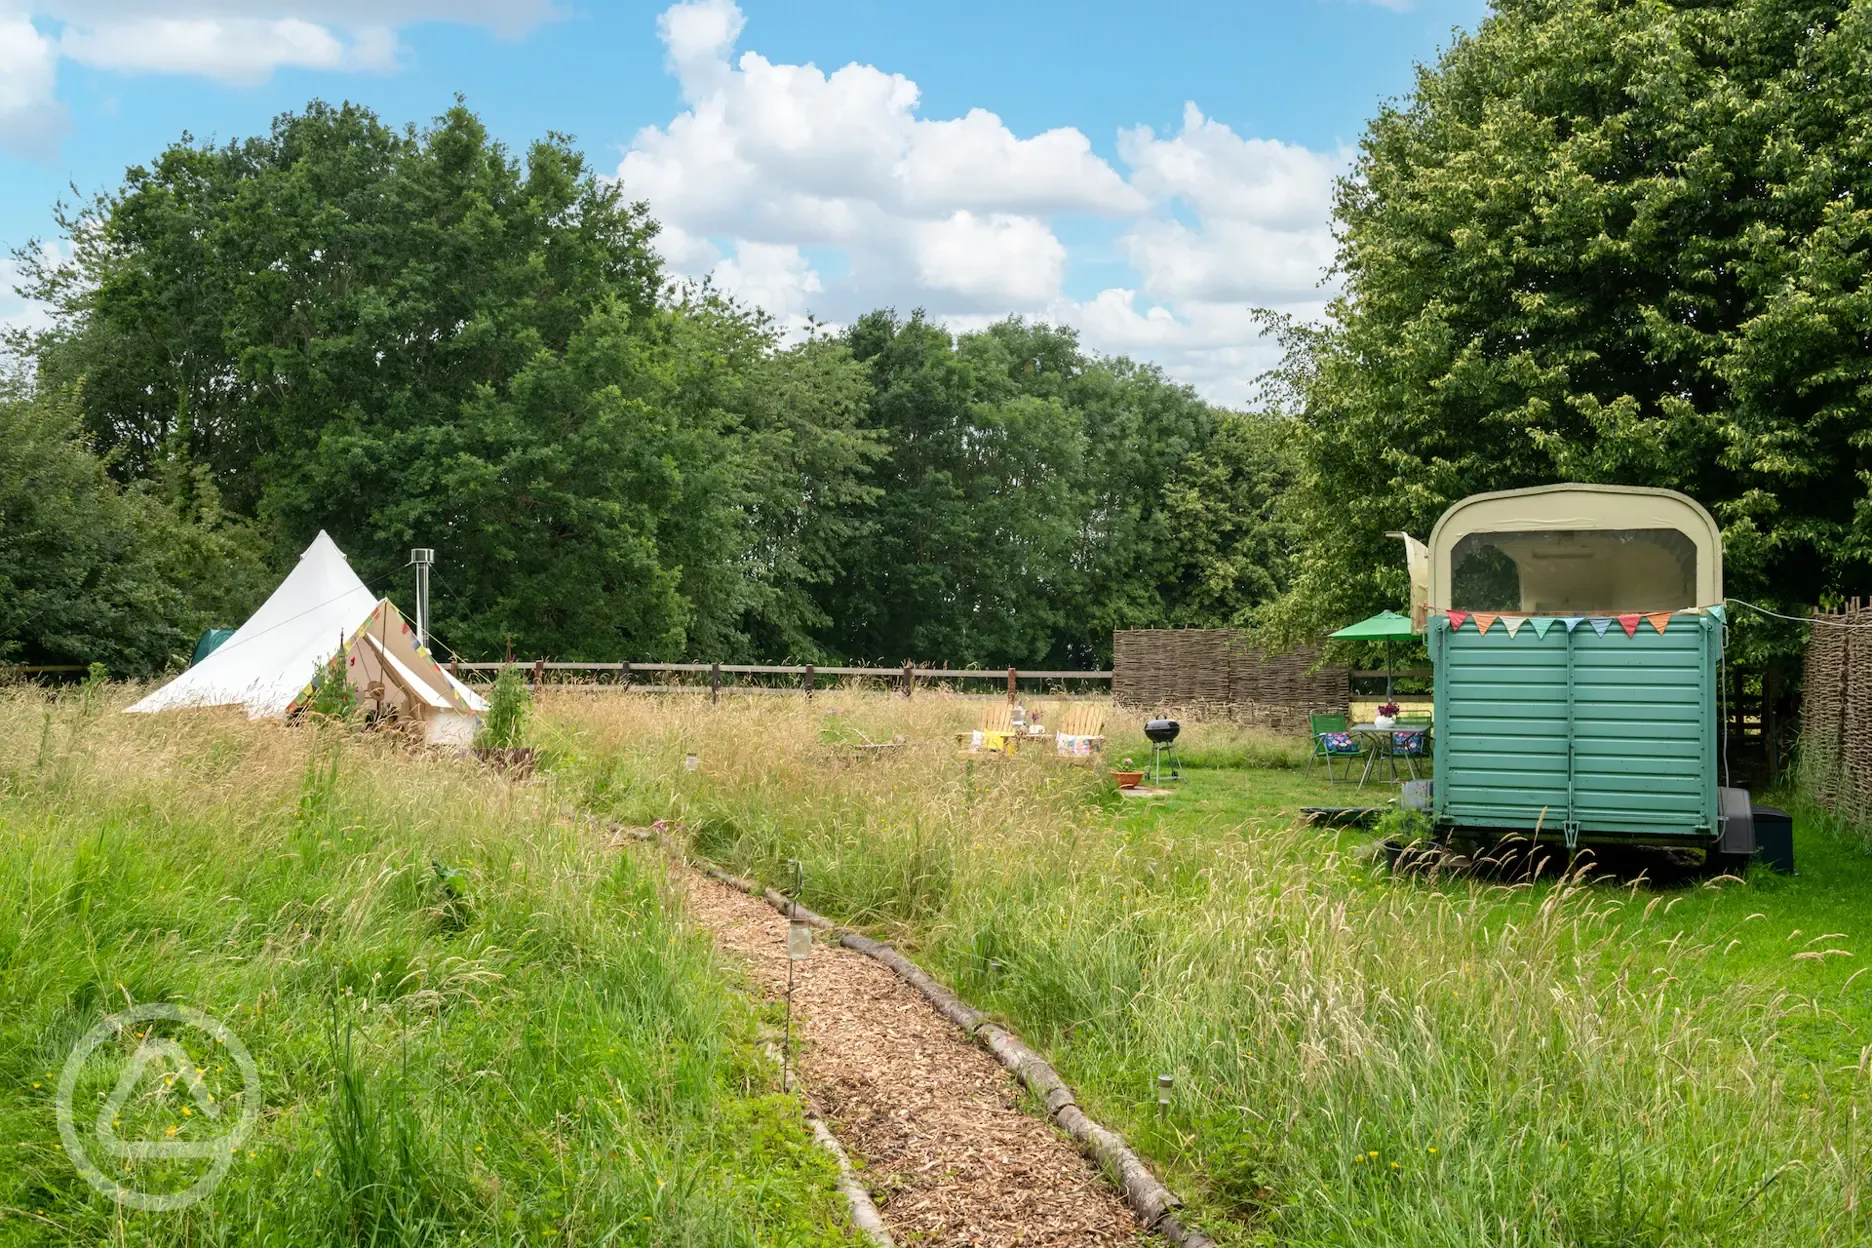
1576	633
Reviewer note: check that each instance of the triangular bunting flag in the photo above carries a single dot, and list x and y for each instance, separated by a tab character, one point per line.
1659	620
1483	619
1513	623
1629	623
1541	624
1456	618
1600	624
1572	621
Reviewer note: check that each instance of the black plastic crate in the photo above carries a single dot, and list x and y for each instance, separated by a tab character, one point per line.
1774	838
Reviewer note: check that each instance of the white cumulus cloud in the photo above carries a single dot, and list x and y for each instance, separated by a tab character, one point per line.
999	258
31	120
240	42
977	161
958	215
16	312
243	51
1218	173
509	17
773	276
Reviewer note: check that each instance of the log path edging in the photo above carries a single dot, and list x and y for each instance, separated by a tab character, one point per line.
1155	1204
864	1211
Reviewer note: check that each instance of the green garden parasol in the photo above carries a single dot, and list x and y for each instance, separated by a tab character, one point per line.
1386	626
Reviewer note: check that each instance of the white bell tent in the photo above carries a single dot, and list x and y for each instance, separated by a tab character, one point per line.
268	665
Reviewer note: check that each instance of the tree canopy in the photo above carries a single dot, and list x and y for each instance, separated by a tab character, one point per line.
1035	498
411	338
1601	240
415	338
1610	242
95	572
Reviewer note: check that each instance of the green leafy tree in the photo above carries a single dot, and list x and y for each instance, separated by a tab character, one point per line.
808	490
92	572
316	318
1230	541
968	556
301	308
1140	429
1610	242
412	338
1025	507
670	486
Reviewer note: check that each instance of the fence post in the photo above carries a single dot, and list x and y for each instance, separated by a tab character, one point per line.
1011	675
909	677
809	681
714	683
539	672
624	673
1771	690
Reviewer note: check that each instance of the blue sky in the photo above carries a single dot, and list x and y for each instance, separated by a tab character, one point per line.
816	156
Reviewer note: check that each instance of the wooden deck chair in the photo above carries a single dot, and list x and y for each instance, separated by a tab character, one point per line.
993	736
1079	732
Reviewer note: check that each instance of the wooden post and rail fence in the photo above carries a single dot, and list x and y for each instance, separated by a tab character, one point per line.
802	679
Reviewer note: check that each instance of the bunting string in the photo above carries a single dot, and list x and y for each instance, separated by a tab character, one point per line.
1821	621
1714	608
1628	621
1657	619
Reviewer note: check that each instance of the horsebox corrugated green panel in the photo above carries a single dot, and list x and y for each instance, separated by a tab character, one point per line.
1609	733
1643	730
1501	727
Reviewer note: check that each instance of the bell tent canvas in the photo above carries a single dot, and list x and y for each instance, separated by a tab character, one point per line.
267	666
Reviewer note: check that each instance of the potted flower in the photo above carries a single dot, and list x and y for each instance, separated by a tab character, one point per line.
1386	716
1128	779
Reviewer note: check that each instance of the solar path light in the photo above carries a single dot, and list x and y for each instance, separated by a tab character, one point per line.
799	948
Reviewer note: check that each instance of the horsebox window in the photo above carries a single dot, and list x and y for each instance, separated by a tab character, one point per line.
1601	571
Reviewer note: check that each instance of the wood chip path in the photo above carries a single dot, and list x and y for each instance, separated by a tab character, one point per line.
948	1153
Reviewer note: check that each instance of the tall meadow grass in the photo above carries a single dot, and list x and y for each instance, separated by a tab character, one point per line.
473	1022
1358	1058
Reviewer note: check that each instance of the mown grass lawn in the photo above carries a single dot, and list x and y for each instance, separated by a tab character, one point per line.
1359	1057
472	1023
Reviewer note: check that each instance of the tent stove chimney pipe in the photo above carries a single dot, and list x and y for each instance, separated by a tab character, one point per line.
421	558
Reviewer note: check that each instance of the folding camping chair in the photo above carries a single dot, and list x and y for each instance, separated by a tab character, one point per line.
1410	741
1330	741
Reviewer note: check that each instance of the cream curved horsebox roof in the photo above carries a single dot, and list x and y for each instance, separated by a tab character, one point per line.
1594	547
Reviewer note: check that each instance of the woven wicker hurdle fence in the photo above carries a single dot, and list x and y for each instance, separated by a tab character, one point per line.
1215	672
1836	713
